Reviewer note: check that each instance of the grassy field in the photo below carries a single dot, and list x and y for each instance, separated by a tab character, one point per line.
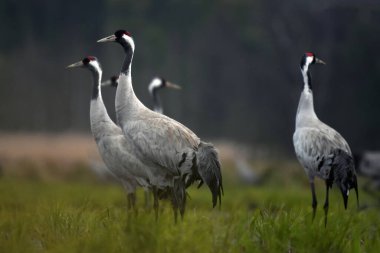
88	216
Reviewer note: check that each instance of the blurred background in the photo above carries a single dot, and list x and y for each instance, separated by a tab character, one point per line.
237	61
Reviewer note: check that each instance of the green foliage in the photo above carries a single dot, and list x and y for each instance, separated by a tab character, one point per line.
90	217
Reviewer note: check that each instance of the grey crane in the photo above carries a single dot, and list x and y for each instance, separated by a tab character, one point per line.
155	85
113	146
178	156
321	150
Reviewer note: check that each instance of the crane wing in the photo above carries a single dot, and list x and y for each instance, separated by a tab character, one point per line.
163	141
313	144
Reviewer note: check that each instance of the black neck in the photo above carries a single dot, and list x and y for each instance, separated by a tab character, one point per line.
306	76
309	79
128	57
96	76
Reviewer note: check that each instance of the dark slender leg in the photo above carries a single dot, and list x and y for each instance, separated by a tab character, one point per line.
174	205
147	198
326	205
155	201
314	203
132	201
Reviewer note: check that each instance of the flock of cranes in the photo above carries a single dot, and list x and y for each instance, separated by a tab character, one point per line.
145	148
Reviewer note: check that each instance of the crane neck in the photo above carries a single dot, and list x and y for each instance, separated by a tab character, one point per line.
305	112
157	105
101	123
127	63
127	105
306	77
96	83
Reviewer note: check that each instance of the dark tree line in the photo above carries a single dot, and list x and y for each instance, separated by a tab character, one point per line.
237	61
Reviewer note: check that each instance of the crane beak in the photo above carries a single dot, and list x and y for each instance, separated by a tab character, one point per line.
173	86
75	65
319	61
108	39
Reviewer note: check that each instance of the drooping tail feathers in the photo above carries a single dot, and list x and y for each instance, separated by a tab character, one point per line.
342	172
209	170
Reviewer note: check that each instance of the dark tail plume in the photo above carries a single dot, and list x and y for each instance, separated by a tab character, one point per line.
343	169
209	170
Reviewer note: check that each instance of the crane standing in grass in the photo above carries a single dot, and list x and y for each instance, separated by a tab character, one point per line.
155	85
321	150
178	156
114	148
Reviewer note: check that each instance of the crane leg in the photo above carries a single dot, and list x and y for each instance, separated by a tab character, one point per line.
314	197
326	205
178	197
147	198
175	211
174	205
131	197
155	201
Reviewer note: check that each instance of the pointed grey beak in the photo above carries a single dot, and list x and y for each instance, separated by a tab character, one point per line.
173	86
319	61
108	39
75	65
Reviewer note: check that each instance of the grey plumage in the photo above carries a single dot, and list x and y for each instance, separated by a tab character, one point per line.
115	150
321	150
154	86
172	150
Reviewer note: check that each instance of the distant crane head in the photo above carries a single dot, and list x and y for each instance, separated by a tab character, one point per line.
112	82
89	62
159	83
122	37
309	59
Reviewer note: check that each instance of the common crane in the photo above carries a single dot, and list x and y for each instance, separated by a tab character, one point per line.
321	150
179	157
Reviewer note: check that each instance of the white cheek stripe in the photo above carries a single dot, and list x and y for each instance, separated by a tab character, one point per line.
156	82
130	41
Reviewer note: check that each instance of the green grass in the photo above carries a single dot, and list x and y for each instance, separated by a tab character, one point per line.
92	217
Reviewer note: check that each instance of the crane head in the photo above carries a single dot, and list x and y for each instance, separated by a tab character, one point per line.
122	37
113	82
309	58
159	82
89	62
